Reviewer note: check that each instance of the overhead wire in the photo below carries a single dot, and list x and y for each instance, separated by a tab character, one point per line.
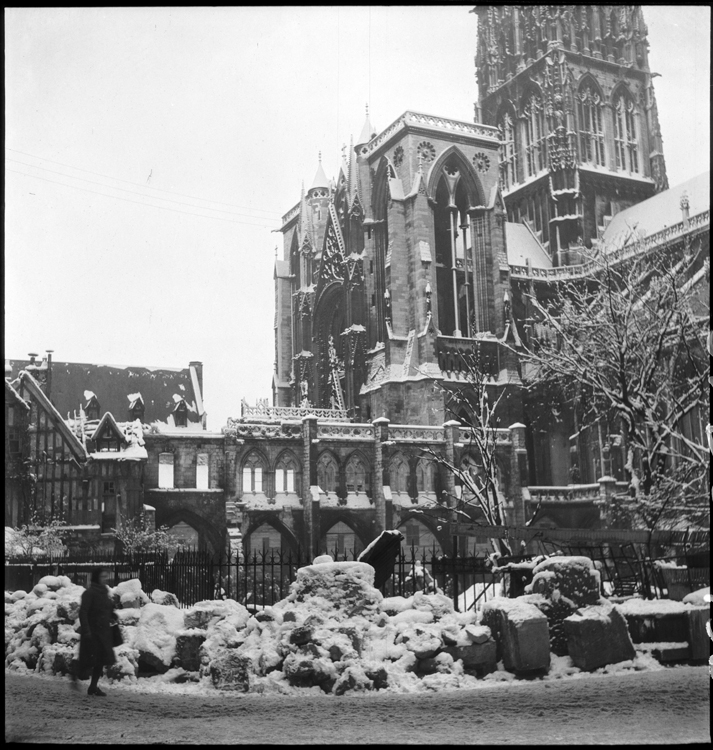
150	187
140	203
134	192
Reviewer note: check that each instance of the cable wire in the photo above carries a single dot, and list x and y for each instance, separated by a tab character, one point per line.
140	203
150	187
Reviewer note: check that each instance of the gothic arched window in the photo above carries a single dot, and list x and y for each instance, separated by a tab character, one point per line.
357	475
535	134
286	474
327	473
252	474
398	474
626	146
425	475
508	152
591	131
461	244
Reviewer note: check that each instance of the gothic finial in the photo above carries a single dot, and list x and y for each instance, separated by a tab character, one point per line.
367	109
320	157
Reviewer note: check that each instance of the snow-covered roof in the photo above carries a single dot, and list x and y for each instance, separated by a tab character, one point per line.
522	245
116	386
657	213
32	387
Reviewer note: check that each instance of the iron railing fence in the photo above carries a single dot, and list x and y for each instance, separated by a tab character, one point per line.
258	579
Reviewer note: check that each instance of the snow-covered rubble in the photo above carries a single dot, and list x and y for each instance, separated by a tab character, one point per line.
333	633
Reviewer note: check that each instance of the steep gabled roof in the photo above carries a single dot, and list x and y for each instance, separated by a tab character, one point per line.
112	385
108	424
29	384
15	397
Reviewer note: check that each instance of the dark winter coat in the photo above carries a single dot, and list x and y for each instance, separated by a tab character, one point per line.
95	616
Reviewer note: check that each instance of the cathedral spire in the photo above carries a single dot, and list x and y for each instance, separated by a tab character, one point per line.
367	132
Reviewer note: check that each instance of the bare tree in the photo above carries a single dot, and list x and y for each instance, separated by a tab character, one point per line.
626	344
475	403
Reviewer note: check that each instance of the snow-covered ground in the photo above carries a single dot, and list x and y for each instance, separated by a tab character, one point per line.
670	706
335	633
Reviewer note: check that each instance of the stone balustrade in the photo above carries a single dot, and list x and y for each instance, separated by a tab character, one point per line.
430	121
282	413
348	431
415	434
571	493
652	241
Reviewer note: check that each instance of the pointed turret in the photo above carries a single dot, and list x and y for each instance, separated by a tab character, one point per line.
367	132
320	179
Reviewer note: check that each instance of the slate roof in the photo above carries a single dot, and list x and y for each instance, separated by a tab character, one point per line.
523	245
658	212
114	384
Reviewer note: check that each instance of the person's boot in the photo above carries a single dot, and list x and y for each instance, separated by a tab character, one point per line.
96	691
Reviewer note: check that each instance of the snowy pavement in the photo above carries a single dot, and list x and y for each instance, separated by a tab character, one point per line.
665	706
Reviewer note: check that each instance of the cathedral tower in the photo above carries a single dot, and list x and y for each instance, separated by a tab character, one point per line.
570	90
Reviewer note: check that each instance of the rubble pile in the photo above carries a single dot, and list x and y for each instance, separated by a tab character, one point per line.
334	633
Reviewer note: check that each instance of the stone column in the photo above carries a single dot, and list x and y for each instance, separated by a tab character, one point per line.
518	473
381	434
309	480
450	431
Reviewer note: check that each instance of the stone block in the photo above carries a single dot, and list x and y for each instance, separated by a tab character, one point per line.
673	654
301	635
657	628
477	657
231	671
68	610
187	650
303	670
526	645
521	633
597	636
698	639
478	633
379	676
62	663
556	612
197	618
149	662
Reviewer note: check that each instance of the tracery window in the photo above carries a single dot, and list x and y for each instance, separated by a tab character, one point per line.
591	132
327	473
425	475
285	474
252	474
398	474
508	153
357	475
535	134
626	145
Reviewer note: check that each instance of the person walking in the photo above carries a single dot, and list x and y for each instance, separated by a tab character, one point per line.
96	643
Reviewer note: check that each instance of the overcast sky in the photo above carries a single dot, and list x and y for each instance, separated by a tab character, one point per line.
150	152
